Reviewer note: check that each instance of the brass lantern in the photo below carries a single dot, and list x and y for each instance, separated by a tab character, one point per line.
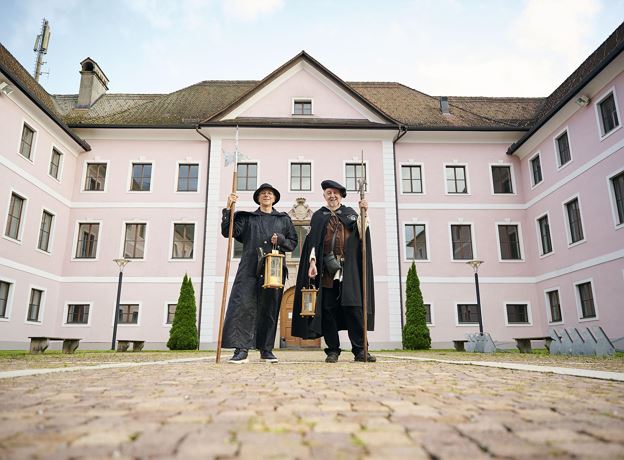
308	301
273	270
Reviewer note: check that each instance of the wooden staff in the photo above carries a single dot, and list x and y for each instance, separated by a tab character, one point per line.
363	237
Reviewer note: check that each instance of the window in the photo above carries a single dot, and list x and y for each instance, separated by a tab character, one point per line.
563	149
55	163
617	183
544	230
26	145
554	306
461	238
44	231
608	115
247	176
456	179
575	225
188	175
302	233
536	169
96	177
302	107
467	314
171	308
128	314
411	179
415	242
355	172
586	300
183	241
517	313
300	176
78	314
4	298
87	240
237	252
428	313
14	219
34	306
141	177
134	241
509	239
501	179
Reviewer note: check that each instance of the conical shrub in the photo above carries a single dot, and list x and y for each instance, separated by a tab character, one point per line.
183	333
415	332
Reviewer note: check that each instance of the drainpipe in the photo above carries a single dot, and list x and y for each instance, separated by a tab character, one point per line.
203	259
402	132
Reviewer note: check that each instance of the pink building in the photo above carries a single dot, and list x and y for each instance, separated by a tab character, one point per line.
534	187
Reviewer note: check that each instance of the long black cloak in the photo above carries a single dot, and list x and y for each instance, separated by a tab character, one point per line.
351	288
251	317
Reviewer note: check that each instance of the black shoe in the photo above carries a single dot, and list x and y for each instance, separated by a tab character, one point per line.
268	356
361	355
239	357
331	358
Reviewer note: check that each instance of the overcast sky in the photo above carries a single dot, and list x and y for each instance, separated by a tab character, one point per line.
440	47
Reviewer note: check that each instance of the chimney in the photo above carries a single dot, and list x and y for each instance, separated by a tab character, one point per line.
444	105
92	84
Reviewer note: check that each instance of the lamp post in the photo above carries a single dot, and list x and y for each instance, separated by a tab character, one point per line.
121	263
475	266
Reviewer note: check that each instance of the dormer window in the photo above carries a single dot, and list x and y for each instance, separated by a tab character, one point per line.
302	107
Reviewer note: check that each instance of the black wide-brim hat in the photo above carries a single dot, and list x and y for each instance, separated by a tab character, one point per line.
264	187
333	184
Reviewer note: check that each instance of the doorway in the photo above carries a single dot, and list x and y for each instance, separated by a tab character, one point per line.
286	313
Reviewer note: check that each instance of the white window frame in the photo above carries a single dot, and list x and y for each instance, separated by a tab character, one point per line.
432	310
547	304
41	306
512	173
422	178
289	172
9	306
532	182
538	233
66	311
128	302
177	176
357	162
428	246
75	240
301	99
20	231
602	136
456	314
520	236
611	193
472	240
165	323
33	147
52	231
85	166
577	297
258	181
519	302
560	133
152	176
468	185
171	234
61	163
123	239
567	222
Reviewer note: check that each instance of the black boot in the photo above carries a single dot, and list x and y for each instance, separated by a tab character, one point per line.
239	357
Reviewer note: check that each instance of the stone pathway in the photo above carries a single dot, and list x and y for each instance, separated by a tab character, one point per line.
304	408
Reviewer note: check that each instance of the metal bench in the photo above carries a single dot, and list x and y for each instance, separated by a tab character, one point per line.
137	345
40	344
524	343
459	344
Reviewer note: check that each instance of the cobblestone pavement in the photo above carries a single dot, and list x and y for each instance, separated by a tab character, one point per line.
304	408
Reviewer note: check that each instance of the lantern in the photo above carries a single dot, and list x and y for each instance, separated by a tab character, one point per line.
308	301
273	270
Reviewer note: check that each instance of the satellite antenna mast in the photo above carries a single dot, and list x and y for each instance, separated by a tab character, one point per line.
41	47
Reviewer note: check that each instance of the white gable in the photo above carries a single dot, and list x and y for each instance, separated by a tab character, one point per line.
303	81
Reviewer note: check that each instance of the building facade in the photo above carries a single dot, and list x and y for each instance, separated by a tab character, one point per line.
534	187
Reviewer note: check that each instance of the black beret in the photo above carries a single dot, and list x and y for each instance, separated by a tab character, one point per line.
333	184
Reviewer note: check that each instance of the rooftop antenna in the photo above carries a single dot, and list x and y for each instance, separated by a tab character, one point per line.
41	47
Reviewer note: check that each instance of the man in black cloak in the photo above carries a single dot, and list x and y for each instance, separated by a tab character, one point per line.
335	231
252	312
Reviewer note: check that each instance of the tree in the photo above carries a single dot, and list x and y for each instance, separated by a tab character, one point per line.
415	332
183	333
